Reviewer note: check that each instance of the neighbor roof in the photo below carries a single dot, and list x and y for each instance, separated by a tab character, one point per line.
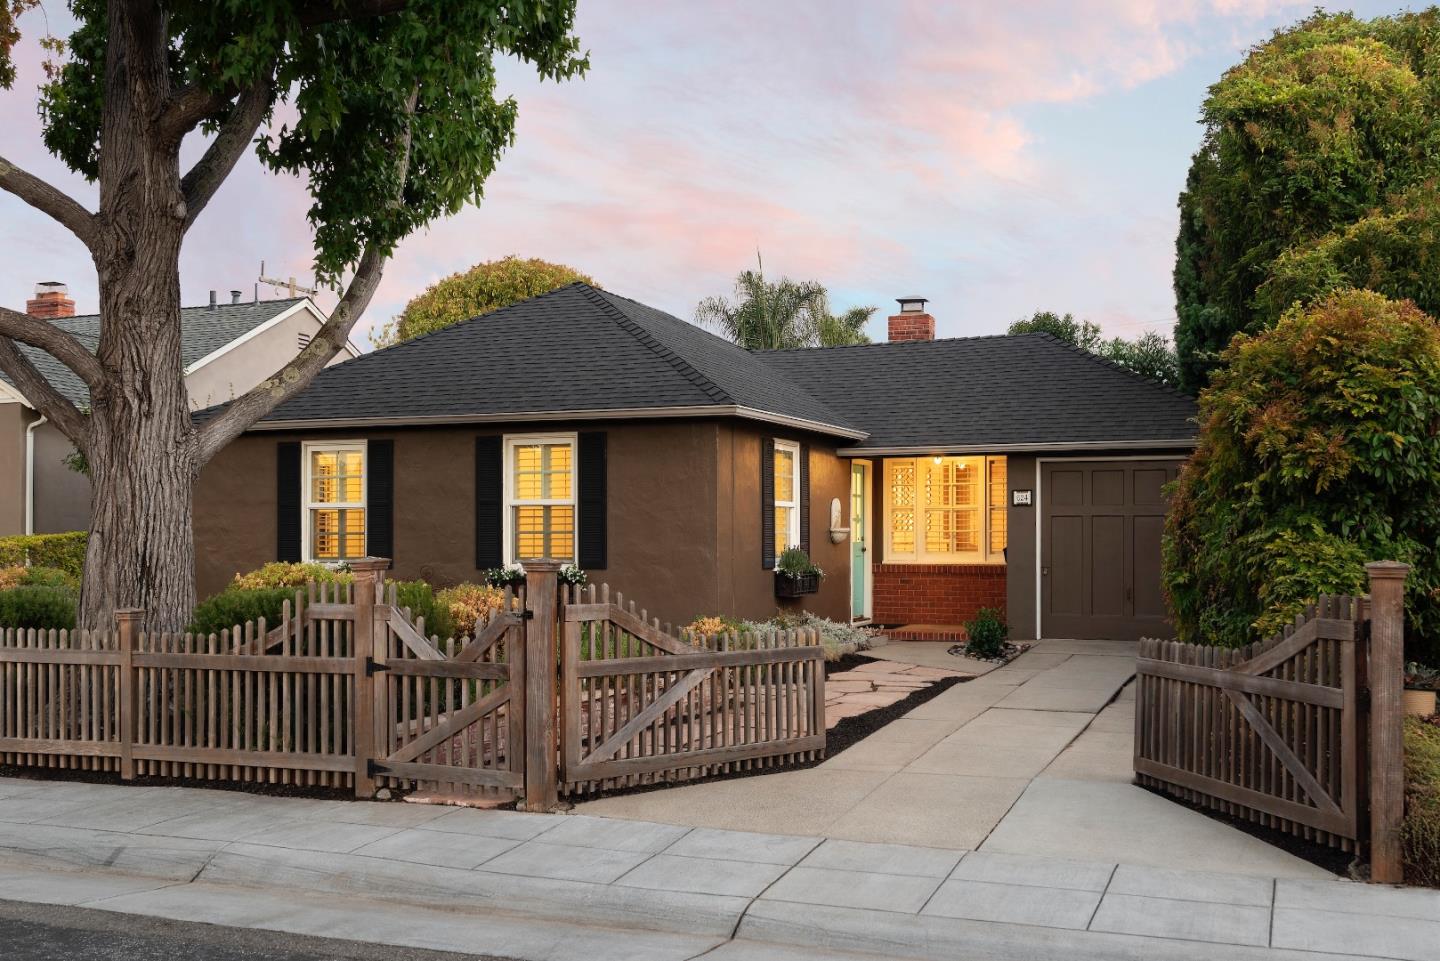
1003	392
203	330
574	350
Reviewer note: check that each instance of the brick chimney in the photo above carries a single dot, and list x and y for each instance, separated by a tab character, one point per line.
913	322
51	300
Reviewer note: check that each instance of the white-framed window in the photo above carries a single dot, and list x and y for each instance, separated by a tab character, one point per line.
540	506
945	510
787	495
333	522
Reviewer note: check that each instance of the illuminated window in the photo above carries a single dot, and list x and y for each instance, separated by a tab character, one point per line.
540	497
787	495
335	501
944	509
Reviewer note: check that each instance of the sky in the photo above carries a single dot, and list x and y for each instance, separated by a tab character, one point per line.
996	158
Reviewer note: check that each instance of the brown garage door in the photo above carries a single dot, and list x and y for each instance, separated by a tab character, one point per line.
1100	548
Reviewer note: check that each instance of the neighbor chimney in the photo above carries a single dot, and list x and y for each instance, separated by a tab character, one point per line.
52	299
912	323
212	300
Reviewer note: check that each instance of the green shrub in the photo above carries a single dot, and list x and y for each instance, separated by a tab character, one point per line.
985	634
50	577
38	606
289	574
420	597
838	639
1318	451
465	605
65	552
1420	831
796	563
237	606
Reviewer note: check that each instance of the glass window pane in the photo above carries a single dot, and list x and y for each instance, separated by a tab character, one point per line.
782	529
998	516
902	530
951	531
784	475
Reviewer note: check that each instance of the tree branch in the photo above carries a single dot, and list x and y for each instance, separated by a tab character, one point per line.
41	393
230	143
294	377
186	108
50	200
59	344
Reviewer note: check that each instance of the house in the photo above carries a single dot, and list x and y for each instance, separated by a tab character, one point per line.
927	477
226	348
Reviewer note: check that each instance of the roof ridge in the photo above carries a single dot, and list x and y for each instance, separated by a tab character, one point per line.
882	343
646	338
1105	362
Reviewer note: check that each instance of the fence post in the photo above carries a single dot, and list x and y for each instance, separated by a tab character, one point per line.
1387	747
368	573
541	604
127	624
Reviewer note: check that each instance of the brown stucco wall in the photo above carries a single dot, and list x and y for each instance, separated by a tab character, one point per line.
13	419
661	508
683	512
62	495
1020	549
749	589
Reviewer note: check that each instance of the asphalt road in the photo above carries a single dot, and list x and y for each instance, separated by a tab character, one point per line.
42	932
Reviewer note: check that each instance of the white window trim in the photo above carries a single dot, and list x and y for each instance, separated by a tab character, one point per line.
792	536
920	556
573	501
307	489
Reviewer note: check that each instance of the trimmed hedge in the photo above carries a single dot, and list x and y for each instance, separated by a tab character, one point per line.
263	593
65	552
237	606
38	606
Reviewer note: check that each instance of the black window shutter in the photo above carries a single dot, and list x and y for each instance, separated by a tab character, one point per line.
489	502
287	501
591	478
805	498
767	503
380	499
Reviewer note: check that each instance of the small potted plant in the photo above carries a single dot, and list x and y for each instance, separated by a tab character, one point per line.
1421	683
795	574
511	575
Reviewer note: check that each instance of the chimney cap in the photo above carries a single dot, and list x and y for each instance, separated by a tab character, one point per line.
234	296
912	305
51	287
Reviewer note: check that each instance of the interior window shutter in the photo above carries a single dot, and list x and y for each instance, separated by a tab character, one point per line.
804	498
380	499
287	501
767	503
489	502
590	488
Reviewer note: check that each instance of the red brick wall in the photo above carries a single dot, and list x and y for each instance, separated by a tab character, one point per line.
912	327
936	593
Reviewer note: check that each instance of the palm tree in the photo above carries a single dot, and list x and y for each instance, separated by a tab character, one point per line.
781	314
766	315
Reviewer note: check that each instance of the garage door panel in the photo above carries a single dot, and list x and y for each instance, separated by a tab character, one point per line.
1107	566
1149	594
1150	486
1102	523
1067	580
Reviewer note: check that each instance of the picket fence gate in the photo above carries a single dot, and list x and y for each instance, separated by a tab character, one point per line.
561	690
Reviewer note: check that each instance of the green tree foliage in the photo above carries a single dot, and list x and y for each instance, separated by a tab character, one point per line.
1319	450
781	314
1393	250
1149	355
479	290
1316	128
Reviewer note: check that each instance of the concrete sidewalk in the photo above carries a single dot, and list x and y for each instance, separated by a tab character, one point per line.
1032	758
578	887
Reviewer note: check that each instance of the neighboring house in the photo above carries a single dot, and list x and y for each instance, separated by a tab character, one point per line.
226	348
927	477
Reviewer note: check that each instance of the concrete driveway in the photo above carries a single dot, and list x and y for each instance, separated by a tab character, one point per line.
1033	758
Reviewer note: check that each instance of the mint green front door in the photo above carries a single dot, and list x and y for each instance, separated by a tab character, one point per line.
859	549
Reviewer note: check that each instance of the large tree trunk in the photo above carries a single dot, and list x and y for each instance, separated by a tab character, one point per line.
141	446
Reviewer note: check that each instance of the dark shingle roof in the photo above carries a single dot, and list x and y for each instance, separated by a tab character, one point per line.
574	349
998	391
202	332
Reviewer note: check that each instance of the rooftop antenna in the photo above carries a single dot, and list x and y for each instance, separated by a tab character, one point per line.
289	284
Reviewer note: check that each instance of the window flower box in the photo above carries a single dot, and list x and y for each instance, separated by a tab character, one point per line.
796	585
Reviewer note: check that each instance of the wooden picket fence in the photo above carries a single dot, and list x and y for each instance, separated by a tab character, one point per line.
557	691
1298	733
645	704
